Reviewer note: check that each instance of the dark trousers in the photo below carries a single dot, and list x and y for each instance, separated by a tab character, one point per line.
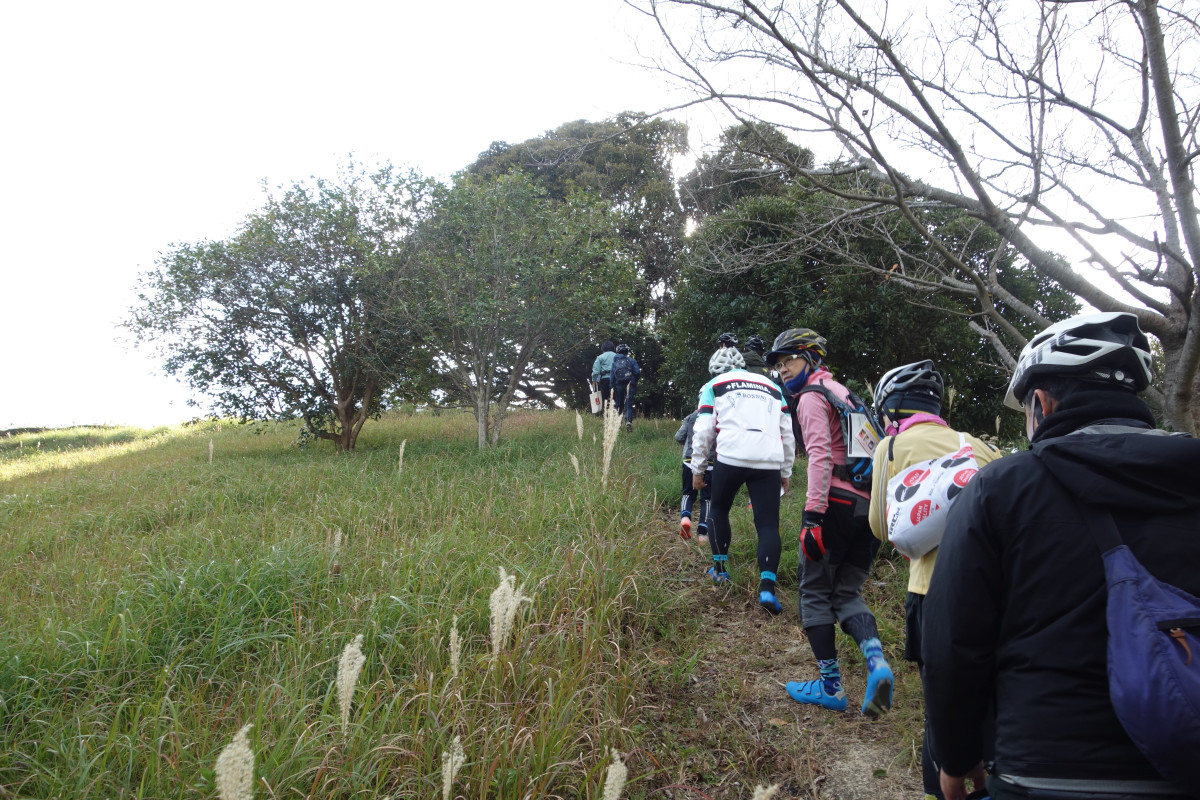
623	398
605	391
914	613
831	589
688	499
763	485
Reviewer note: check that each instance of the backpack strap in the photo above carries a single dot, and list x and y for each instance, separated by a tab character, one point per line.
1101	526
829	396
1099	523
879	493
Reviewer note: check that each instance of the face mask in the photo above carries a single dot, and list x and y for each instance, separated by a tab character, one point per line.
797	383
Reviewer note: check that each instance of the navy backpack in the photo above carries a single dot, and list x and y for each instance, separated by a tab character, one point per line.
1153	658
622	369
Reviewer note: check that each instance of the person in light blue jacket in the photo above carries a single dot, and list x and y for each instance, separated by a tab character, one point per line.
602	372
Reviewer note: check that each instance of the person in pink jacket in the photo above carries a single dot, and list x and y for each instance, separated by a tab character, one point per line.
837	546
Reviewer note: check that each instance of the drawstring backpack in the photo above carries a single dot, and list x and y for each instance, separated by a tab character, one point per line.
920	495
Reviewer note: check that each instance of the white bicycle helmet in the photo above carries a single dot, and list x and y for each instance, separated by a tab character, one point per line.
1108	347
725	359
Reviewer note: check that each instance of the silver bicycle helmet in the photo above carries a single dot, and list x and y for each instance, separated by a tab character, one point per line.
919	379
725	359
1107	347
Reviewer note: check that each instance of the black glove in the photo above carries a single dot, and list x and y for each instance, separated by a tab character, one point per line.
811	540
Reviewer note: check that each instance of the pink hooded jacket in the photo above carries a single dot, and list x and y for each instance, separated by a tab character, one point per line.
823	442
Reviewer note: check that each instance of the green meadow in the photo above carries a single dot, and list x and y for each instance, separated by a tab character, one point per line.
162	589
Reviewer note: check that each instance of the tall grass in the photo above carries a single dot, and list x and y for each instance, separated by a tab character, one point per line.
155	604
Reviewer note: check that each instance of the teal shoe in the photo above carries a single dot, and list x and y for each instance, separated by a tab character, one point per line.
879	690
813	693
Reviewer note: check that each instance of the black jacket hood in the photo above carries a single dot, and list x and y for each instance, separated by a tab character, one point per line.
1138	469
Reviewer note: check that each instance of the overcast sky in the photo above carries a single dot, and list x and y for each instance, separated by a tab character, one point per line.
128	127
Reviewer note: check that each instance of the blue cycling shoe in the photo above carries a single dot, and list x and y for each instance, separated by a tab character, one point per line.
718	578
813	693
768	601
879	690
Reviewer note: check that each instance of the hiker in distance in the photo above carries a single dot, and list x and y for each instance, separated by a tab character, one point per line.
602	372
623	375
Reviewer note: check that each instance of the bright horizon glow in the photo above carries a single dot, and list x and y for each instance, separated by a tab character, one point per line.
134	126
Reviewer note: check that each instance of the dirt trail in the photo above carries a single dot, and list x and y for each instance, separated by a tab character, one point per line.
744	728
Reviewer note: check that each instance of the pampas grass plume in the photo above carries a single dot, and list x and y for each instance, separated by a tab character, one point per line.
506	599
451	761
400	461
997	424
614	780
210	450
579	425
349	666
765	792
455	647
235	768
612	426
575	463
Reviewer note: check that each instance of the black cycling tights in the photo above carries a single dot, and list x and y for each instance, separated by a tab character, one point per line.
763	486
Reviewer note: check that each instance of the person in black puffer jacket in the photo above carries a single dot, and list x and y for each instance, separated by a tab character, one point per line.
1015	632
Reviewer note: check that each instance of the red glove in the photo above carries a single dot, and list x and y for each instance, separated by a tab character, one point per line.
811	540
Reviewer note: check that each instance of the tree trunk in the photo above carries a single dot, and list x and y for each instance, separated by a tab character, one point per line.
1193	414
347	434
501	412
481	417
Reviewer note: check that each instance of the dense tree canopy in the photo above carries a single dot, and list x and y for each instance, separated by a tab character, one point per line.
747	272
751	161
286	318
627	162
506	278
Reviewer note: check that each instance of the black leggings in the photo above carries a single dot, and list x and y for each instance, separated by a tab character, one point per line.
763	486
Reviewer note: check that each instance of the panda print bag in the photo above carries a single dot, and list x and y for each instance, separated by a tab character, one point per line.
920	495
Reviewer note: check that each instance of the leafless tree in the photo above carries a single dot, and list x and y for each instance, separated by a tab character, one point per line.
1062	125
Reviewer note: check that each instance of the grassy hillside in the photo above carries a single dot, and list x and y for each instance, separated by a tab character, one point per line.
162	589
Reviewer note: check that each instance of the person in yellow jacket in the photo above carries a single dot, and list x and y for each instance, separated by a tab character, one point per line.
908	400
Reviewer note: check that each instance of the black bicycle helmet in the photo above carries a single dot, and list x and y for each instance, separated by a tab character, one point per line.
727	340
757	344
908	389
798	342
1107	348
623	349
